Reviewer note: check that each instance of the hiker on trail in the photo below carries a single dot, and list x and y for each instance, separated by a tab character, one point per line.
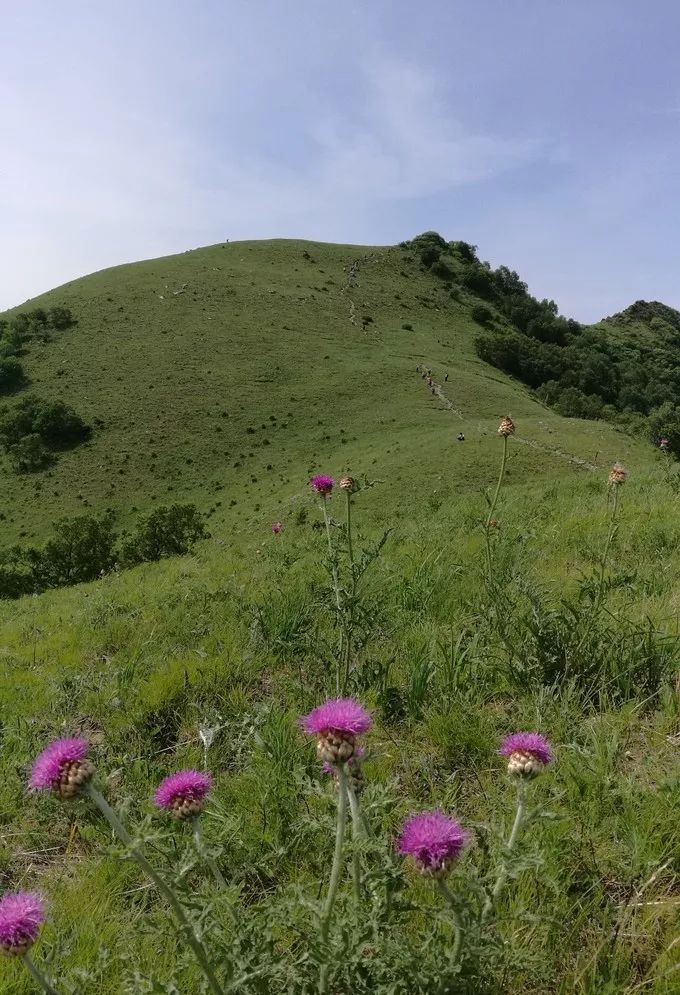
460	437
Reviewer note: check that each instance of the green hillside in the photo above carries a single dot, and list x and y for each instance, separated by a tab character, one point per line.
227	376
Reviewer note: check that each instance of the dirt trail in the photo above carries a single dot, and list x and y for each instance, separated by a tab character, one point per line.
436	390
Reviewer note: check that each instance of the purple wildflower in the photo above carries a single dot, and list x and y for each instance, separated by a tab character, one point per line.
336	724
62	767
664	443
527	742
183	794
344	716
21	915
322	484
277	527
432	839
527	753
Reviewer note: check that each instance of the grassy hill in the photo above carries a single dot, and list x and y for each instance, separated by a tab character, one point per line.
226	376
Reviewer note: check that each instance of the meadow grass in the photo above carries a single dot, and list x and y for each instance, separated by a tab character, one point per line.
231	393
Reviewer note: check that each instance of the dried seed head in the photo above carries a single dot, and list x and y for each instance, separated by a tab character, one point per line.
347	483
617	475
506	427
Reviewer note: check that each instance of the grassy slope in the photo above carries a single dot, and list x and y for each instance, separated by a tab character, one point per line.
257	364
139	660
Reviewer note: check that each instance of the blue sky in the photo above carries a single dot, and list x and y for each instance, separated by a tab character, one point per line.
546	132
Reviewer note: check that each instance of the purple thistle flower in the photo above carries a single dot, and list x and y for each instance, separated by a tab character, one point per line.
322	484
336	724
343	716
432	839
277	527
21	915
532	743
183	794
62	767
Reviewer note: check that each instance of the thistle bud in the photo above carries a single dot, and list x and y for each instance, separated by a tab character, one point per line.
617	475
348	483
506	427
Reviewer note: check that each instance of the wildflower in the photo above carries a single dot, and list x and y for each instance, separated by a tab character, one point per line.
322	484
63	768
183	794
527	753
433	840
277	527
21	916
664	444
617	475
506	427
336	724
347	483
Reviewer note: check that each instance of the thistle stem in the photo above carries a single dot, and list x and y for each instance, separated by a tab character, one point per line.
512	839
203	853
38	976
457	925
603	567
185	926
338	598
358	833
335	872
492	508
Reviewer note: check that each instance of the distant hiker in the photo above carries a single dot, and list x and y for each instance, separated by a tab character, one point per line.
460	437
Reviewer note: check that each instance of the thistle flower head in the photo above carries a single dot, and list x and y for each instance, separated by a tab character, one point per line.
348	483
183	794
277	527
322	484
336	724
527	753
63	768
507	426
354	769
433	840
617	475
664	443
21	916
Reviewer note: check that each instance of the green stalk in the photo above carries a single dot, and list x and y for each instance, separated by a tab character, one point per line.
512	839
336	870
492	508
358	833
603	567
457	925
185	926
203	853
38	976
338	597
353	588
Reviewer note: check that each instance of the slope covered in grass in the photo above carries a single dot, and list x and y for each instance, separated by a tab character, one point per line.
230	645
225	375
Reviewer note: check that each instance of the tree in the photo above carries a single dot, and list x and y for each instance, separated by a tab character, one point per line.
167	531
81	549
11	375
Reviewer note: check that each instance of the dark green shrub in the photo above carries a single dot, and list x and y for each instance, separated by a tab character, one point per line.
11	375
81	549
482	314
57	425
167	531
29	454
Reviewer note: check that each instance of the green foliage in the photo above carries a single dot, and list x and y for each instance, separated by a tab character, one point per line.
481	314
166	531
11	375
80	549
33	426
